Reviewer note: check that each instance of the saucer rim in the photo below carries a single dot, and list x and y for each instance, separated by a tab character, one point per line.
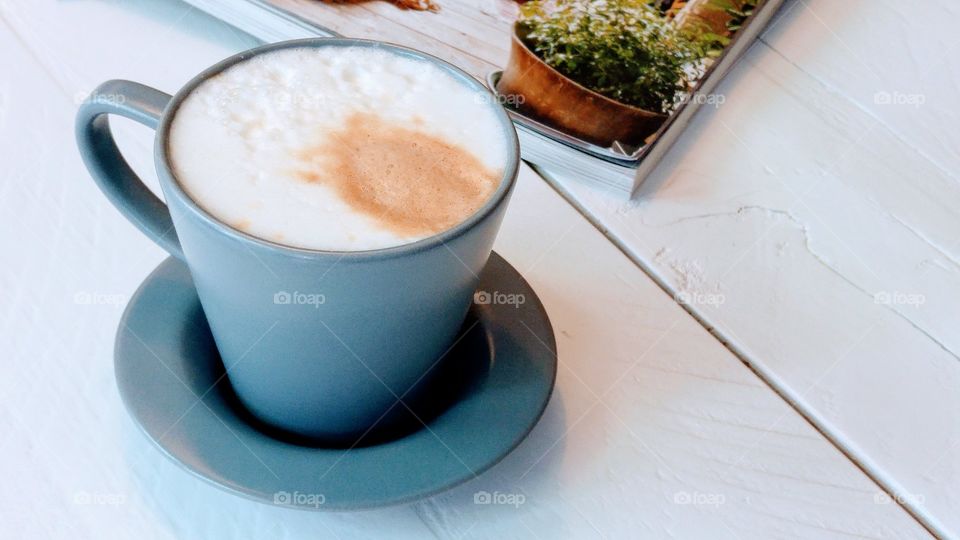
258	495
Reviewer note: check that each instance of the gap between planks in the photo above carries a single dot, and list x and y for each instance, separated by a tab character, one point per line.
796	402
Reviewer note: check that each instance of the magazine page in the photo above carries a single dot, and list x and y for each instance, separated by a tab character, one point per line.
471	34
600	77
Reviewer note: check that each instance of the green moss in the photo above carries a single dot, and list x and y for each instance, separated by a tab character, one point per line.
622	49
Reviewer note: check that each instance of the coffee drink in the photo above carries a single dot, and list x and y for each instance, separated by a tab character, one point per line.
339	148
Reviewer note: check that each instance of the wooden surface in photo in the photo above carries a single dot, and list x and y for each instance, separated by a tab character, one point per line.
471	34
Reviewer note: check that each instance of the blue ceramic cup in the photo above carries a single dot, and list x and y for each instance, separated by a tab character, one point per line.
319	344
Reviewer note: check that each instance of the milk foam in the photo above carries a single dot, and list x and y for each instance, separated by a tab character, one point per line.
237	140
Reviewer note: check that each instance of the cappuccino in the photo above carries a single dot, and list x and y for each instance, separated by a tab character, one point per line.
338	148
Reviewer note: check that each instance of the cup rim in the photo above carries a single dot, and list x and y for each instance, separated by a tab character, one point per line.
173	187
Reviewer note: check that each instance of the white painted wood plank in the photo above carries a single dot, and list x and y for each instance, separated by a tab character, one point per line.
818	234
897	61
656	430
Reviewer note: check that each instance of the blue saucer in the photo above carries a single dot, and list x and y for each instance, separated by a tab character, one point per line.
485	397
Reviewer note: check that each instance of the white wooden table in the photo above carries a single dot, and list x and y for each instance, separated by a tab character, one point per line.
778	216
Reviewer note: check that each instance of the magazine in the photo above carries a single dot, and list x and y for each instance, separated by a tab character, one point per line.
598	89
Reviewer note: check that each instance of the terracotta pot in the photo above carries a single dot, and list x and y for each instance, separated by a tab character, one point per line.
558	101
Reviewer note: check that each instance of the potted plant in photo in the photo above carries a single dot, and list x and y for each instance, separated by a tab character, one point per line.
605	71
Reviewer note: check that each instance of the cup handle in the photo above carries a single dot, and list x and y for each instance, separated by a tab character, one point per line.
110	170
